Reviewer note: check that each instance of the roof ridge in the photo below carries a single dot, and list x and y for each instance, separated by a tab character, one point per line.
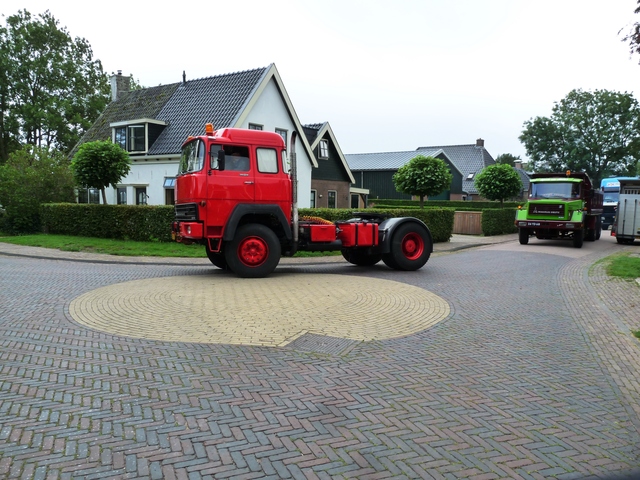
252	70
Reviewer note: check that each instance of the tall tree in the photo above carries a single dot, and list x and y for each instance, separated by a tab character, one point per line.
508	159
633	36
100	164
596	132
423	177
498	182
51	88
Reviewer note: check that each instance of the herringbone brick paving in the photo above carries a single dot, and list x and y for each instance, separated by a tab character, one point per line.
521	381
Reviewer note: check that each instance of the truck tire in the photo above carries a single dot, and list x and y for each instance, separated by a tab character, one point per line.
578	238
217	259
254	252
523	236
360	258
410	247
598	228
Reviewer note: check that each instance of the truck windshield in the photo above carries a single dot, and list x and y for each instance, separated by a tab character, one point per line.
555	190
192	159
611	197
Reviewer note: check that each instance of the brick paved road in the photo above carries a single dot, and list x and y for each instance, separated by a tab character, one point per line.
520	381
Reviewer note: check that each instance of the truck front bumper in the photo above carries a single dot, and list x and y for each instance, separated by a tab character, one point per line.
548	225
186	232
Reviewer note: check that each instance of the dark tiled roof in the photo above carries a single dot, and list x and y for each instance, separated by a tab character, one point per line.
385	161
311	131
185	107
218	100
469	159
132	105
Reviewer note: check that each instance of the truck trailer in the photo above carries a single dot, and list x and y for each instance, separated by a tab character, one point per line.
626	226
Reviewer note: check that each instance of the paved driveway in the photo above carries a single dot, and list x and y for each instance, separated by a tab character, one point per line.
500	361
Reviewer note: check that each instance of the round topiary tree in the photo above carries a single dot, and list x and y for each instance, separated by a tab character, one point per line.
100	164
423	177
498	182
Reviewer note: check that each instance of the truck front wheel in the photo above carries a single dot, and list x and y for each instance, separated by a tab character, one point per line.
254	252
578	238
523	236
410	247
217	259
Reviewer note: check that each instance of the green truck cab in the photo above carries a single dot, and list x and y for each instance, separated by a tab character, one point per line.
562	206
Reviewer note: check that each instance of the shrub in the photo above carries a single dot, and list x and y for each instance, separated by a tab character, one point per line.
498	221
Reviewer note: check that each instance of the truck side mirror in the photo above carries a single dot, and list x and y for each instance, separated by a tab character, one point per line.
221	160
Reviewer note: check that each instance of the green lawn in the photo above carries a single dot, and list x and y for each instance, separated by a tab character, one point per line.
625	266
107	246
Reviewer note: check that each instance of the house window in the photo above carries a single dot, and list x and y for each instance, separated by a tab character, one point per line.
141	195
131	139
169	191
136	138
312	202
267	160
331	198
88	195
170	196
255	126
324	149
283	134
355	201
121	137
122	195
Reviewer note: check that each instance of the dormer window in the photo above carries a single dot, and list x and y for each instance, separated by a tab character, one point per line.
137	136
131	138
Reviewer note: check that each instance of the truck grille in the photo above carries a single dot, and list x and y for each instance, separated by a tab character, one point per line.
555	209
187	212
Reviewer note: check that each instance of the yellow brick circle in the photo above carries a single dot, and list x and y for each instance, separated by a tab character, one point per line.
268	311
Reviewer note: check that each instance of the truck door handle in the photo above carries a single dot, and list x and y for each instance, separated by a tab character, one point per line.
248	182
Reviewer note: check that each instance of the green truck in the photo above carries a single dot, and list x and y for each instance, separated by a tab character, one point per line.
562	206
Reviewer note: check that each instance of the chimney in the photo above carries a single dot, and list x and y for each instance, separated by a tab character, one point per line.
517	164
479	142
119	85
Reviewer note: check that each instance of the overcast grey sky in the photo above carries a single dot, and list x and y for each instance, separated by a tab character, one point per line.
387	76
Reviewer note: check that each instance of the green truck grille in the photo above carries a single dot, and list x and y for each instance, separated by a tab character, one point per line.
547	209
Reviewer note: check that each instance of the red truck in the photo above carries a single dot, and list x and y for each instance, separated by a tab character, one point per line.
236	195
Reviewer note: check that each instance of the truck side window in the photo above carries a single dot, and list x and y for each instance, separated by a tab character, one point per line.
267	160
237	158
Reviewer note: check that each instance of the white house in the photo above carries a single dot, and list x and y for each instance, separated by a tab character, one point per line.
152	123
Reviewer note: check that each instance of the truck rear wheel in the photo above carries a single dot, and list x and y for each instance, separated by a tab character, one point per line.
410	247
578	238
360	258
523	236
254	252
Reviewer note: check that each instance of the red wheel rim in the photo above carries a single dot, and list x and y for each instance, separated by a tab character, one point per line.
412	246
253	251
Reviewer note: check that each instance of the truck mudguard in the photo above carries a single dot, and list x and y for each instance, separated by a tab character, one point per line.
251	210
388	226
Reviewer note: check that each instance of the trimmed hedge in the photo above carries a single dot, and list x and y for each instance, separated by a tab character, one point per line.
124	222
496	221
145	223
456	204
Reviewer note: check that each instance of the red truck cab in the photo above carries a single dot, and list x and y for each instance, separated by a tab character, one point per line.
236	195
